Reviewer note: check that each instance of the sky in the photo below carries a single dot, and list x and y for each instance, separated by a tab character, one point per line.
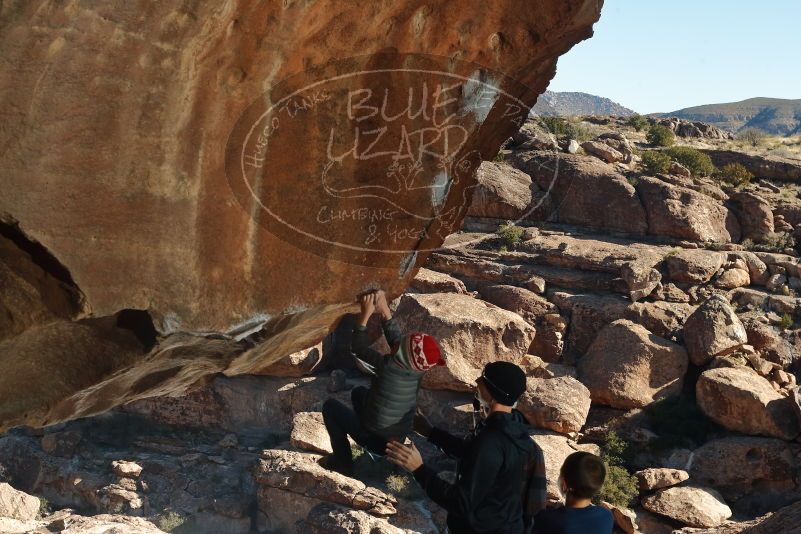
658	56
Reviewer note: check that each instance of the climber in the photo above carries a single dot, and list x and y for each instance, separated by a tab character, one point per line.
500	481
386	410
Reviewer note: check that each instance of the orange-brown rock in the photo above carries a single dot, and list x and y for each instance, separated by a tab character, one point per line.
218	165
572	184
502	192
560	404
470	332
741	400
686	214
291	484
629	367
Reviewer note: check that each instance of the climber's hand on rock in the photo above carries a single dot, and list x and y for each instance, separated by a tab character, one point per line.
405	456
367	303
381	304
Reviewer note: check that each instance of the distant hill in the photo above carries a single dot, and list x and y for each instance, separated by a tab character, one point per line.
551	103
775	116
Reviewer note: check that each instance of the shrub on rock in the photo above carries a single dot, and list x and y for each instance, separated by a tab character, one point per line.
659	135
655	162
699	163
735	174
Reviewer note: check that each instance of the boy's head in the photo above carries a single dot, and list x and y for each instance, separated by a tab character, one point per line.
583	475
423	351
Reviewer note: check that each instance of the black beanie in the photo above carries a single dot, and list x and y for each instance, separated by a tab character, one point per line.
505	381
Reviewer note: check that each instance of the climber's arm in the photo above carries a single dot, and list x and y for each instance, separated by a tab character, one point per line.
360	344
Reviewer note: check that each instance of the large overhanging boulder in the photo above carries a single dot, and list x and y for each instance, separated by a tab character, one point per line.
236	167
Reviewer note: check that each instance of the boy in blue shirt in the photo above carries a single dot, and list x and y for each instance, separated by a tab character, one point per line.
580	479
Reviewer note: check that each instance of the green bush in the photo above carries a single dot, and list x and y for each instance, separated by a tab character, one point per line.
500	156
556	125
44	508
735	174
169	521
786	322
655	162
400	485
699	163
562	127
510	234
578	132
620	487
638	122
615	450
659	135
752	136
779	241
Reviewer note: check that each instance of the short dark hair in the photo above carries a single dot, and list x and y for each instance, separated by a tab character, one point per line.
584	473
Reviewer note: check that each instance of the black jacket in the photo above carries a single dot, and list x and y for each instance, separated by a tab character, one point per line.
498	467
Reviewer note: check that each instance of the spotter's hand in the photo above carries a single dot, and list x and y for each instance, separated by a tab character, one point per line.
405	456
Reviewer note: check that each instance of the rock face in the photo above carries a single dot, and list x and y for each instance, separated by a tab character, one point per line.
207	246
785	520
309	433
686	214
694	266
537	311
695	507
332	519
291	484
741	400
428	281
755	215
685	128
769	167
658	478
574	183
502	192
641	278
602	151
628	367
67	522
560	404
470	332
16	504
713	330
736	465
256	406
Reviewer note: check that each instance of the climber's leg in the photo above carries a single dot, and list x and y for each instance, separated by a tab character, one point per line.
340	421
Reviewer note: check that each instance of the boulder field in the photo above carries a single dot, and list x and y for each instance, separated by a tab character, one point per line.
167	341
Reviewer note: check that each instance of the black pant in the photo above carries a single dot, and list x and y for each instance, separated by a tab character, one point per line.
341	422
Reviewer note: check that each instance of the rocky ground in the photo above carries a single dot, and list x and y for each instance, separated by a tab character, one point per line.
657	318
